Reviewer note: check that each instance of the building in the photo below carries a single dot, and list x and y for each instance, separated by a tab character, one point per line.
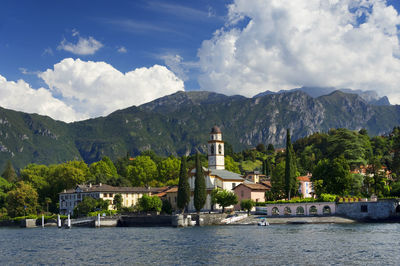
306	188
216	176
255	176
172	196
68	199
255	192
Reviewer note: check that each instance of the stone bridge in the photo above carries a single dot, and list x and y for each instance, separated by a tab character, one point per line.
298	209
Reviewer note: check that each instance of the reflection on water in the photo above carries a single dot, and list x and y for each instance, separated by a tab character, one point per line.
308	244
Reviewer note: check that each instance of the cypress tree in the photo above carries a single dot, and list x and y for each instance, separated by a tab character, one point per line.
200	194
290	167
9	173
183	186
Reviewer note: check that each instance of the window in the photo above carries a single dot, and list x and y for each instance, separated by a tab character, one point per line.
220	149
233	185
212	149
175	199
111	195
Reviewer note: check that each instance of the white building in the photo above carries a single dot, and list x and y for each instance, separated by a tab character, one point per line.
130	195
216	176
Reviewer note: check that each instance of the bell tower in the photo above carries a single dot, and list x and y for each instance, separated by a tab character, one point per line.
216	157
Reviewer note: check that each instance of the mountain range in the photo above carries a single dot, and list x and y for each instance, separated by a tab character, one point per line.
179	124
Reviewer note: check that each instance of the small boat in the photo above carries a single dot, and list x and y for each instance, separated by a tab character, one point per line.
263	223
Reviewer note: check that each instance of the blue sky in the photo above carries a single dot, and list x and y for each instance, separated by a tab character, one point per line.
74	60
146	29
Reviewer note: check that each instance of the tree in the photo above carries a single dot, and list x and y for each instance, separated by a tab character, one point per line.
142	171
166	207
118	201
290	167
9	173
37	176
150	203
183	187
231	165
65	176
261	148
225	198
335	175
103	171
89	204
47	201
5	186
247	204
168	170
22	200
278	181
270	149
200	194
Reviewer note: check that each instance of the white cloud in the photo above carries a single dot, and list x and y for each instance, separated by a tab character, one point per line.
122	50
84	46
285	44
21	96
96	88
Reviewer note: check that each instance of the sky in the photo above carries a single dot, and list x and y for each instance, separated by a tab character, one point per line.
74	60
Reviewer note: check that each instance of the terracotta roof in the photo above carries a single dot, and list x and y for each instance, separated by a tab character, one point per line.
253	186
108	188
172	190
303	178
266	183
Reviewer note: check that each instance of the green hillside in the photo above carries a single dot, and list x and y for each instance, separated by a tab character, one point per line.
179	124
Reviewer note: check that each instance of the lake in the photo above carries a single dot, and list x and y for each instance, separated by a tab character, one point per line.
308	244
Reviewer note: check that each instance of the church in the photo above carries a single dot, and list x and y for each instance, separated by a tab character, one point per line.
216	176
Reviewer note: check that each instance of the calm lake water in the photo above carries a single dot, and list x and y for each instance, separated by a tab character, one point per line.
308	244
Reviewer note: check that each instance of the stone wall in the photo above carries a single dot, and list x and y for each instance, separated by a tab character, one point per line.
378	210
145	220
298	209
210	218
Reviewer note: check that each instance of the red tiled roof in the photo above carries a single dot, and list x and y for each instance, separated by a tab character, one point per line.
172	190
303	178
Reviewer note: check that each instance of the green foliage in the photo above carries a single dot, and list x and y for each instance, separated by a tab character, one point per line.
290	168
168	169
247	204
22	200
324	197
107	212
103	171
9	173
278	181
150	203
166	207
335	175
231	165
225	198
183	187
142	171
200	194
118	201
293	200
89	204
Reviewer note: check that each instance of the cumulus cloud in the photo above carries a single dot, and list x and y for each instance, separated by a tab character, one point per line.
21	96
84	46
96	88
281	44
